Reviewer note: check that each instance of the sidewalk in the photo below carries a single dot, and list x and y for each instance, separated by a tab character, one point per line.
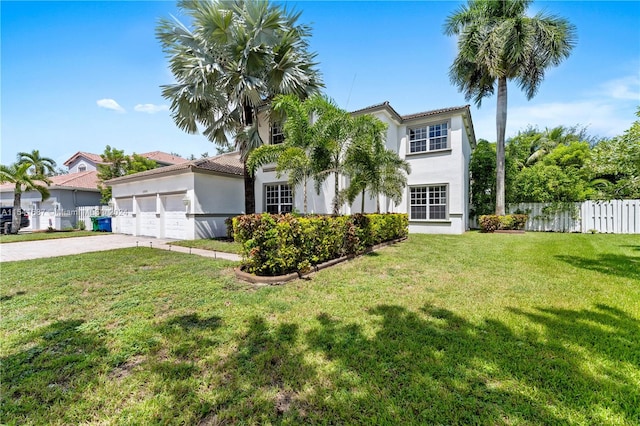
10	252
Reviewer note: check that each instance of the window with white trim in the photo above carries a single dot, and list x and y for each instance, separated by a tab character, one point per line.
428	202
278	198
433	137
82	168
277	133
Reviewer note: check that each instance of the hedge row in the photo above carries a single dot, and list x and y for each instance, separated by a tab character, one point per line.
491	222
281	244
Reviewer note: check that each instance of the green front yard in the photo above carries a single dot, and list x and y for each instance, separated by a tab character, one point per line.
473	329
37	236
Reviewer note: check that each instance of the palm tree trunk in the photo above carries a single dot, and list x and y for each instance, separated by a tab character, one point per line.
362	202
378	204
336	209
16	216
304	195
501	124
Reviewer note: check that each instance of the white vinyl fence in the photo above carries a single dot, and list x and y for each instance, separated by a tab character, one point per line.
84	214
612	217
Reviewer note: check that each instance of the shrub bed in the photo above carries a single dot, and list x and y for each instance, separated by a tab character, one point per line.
492	222
281	244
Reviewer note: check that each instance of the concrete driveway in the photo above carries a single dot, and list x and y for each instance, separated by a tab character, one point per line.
10	252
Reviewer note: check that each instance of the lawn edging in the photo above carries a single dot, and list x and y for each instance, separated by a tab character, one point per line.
281	279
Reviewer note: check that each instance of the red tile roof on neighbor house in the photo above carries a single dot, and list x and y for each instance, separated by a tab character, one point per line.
225	163
81	180
95	158
163	157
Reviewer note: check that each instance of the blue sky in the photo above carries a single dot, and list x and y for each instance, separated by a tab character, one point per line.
81	75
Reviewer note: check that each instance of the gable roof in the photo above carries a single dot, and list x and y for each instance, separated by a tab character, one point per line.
228	164
95	158
465	111
81	180
163	157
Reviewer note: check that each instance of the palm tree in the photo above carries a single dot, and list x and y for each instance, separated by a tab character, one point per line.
548	140
19	175
371	166
334	128
231	65
42	166
498	42
293	156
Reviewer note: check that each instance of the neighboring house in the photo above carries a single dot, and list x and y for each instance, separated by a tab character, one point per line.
59	210
436	143
86	161
182	201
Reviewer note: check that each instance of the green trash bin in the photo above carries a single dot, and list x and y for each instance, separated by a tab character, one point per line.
94	223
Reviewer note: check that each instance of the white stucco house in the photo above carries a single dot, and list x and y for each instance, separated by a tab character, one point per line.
183	201
67	192
437	144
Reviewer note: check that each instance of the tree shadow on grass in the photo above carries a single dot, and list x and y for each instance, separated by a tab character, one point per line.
435	367
41	382
610	264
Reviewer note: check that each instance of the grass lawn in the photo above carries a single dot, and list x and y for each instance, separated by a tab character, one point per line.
475	329
35	236
211	244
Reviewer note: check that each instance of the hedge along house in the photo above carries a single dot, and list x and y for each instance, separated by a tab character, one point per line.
437	144
67	192
189	200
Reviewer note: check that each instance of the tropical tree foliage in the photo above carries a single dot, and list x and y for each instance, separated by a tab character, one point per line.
295	155
20	174
574	169
40	166
117	164
371	166
498	42
482	168
236	59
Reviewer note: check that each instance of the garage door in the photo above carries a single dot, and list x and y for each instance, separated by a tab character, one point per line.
124	222
149	222
175	219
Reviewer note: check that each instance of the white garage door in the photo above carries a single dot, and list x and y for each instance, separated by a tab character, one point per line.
175	219
124	222
149	222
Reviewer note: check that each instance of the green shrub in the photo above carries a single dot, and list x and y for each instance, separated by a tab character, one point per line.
491	222
280	244
81	225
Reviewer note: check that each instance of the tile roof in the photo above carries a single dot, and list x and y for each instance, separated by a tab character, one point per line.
163	157
226	163
89	156
433	112
402	118
80	180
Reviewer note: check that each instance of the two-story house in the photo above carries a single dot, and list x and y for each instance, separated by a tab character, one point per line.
437	144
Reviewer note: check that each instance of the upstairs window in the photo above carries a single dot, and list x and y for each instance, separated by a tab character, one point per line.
278	198
434	137
82	168
277	135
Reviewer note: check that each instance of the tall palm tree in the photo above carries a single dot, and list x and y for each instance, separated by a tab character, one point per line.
19	175
239	55
371	166
42	166
498	42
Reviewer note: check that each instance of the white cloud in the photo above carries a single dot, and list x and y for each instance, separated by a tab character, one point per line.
110	104
606	111
150	108
623	88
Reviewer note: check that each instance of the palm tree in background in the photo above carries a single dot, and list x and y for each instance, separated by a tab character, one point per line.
498	42
42	166
237	58
19	175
